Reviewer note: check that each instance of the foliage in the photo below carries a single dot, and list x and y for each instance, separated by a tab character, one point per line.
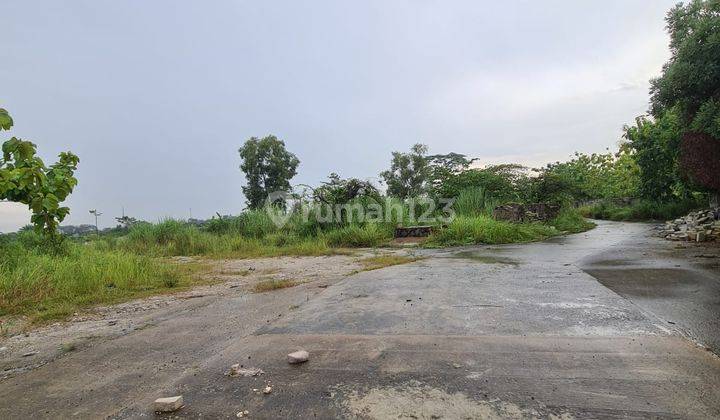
598	175
553	188
444	167
341	191
176	238
369	235
700	160
47	286
570	220
250	223
641	211
486	230
690	80
474	202
125	222
24	178
268	168
503	182
655	147
408	173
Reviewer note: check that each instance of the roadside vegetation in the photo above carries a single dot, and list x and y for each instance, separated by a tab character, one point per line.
644	210
47	285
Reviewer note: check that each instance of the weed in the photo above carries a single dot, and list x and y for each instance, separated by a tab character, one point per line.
382	261
273	284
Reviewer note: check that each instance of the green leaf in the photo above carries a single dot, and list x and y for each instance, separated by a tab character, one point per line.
5	120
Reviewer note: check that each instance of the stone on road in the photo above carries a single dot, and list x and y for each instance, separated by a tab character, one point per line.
168	404
299	356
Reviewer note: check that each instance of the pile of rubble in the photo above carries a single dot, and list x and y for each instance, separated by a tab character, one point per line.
700	226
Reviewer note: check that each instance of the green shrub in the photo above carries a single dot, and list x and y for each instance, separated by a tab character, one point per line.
570	220
642	210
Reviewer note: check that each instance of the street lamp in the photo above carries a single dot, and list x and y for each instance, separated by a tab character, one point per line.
97	214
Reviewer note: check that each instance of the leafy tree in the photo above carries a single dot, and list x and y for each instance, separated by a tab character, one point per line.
655	147
24	178
501	182
444	167
598	175
340	191
408	173
690	81
268	167
126	222
553	188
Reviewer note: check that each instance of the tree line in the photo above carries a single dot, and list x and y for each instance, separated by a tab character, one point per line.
671	153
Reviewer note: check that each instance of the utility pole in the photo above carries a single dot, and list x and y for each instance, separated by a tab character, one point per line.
97	214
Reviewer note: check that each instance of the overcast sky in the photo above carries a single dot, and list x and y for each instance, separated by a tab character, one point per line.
157	96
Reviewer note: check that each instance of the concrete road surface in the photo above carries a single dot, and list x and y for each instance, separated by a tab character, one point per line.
516	331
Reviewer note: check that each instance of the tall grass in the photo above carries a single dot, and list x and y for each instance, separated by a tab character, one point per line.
570	220
474	202
484	229
251	223
175	238
368	235
47	286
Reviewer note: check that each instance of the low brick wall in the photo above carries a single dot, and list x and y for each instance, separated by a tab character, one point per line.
413	231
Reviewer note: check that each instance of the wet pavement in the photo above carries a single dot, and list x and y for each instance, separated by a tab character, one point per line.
679	283
601	324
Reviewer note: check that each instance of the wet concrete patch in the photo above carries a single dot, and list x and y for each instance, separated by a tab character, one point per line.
683	299
646	282
485	258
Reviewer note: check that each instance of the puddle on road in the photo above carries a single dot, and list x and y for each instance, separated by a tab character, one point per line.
650	283
484	258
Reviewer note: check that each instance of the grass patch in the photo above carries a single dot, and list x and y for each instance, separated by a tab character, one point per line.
368	235
174	238
640	211
465	230
273	284
382	261
45	287
482	229
570	220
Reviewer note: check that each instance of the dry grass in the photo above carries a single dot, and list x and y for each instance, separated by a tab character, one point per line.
381	261
273	284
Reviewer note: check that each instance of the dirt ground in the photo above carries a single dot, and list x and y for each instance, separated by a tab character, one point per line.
24	346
